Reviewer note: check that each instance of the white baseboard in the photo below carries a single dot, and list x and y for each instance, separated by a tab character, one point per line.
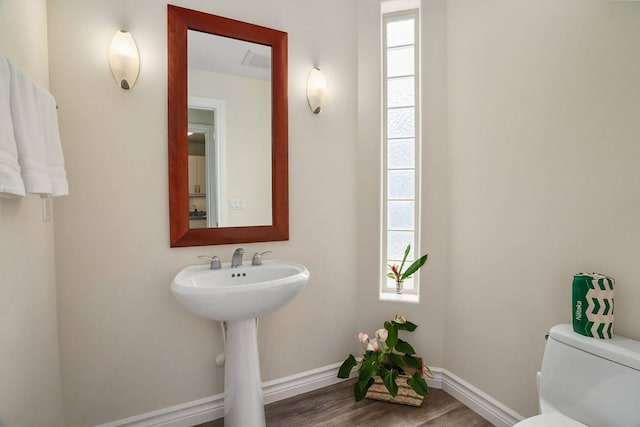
476	400
303	382
184	415
211	408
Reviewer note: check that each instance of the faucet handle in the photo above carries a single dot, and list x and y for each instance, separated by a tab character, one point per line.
257	258
239	251
215	261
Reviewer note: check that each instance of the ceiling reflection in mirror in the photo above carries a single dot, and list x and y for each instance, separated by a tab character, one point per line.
229	88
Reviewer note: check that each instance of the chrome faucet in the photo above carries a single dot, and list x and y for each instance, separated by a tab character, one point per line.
236	261
257	258
215	262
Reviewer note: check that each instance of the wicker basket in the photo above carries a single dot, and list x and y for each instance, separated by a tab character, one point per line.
406	395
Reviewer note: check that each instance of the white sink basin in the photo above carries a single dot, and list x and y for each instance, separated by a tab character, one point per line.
238	293
238	296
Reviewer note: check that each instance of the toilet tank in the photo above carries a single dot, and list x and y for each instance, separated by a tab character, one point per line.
596	382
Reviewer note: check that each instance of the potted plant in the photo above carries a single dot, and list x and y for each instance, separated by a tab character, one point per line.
396	273
389	369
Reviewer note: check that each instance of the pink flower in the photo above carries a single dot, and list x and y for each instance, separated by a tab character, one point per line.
394	269
364	338
372	345
382	334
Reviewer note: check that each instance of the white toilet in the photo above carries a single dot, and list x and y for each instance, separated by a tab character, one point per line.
588	382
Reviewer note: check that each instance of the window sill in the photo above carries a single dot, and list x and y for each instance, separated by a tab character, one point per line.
390	296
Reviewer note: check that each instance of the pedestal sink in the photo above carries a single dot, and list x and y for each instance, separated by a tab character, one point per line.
238	296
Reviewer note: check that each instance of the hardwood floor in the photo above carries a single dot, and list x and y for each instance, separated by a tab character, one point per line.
334	406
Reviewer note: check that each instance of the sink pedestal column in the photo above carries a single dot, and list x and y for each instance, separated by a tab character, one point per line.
243	404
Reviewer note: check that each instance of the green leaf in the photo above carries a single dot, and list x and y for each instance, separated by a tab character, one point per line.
406	254
368	369
360	388
404	347
347	366
418	384
369	366
392	333
407	326
414	267
397	360
389	380
411	361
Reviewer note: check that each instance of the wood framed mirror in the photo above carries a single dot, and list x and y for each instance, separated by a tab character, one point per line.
185	25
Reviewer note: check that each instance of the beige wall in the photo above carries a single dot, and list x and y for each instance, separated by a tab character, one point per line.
127	346
29	356
544	100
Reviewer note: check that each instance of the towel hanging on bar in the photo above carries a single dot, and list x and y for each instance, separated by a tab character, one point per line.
11	184
35	125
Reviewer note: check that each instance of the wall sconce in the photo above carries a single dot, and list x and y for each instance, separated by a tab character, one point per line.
124	59
316	90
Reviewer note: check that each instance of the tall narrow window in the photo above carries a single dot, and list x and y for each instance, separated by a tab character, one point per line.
400	143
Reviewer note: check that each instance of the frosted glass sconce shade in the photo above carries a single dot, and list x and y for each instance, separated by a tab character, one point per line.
316	90
124	59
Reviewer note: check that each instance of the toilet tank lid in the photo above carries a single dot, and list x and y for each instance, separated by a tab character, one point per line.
624	351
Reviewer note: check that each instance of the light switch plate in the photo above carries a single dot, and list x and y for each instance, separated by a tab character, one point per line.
47	209
236	204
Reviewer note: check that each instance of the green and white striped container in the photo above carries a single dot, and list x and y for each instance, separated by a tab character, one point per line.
593	305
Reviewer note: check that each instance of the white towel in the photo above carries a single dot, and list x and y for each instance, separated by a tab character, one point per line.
53	146
35	124
11	184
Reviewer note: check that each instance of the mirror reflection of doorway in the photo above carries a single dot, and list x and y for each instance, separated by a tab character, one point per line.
206	128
